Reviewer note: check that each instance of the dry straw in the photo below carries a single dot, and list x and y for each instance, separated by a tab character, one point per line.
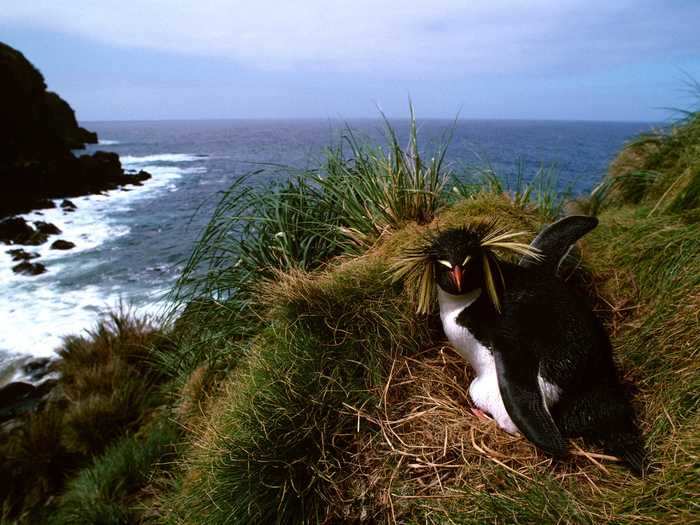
434	443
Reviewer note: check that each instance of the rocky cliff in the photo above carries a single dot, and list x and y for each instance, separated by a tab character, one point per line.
38	130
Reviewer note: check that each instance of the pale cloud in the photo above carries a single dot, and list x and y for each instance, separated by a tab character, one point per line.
444	36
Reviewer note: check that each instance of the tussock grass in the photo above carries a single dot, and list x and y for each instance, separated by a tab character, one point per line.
35	463
346	406
103	493
106	388
107	378
379	188
660	169
274	447
535	191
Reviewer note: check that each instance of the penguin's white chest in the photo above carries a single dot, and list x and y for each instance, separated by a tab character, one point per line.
484	388
465	343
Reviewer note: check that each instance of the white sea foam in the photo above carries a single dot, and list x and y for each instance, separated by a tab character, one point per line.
161	157
38	321
35	312
102	142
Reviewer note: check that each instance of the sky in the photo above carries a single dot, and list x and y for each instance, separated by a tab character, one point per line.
625	60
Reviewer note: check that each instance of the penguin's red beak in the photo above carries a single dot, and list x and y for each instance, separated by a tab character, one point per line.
456	274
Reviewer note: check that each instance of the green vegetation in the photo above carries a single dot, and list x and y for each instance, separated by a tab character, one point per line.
538	190
107	389
101	493
297	384
660	170
342	405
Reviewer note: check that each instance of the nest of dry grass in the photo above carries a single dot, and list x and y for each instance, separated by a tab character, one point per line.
431	442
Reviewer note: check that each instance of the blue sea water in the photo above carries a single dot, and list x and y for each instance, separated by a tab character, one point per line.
130	245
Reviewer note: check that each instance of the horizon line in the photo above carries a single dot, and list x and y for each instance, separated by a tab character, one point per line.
379	118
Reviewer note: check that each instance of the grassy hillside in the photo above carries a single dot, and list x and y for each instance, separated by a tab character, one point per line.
299	385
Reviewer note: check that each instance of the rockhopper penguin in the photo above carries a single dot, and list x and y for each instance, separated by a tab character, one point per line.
543	361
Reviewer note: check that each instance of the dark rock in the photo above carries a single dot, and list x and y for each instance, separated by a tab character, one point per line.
15	230
15	392
60	244
36	119
68	205
16	399
61	120
44	204
47	228
38	368
106	163
141	176
21	397
28	268
20	255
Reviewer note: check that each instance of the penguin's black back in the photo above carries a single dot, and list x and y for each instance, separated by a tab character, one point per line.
556	326
544	321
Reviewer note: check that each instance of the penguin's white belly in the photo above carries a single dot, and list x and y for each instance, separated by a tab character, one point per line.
484	388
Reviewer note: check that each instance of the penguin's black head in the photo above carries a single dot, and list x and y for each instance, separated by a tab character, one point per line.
456	256
459	260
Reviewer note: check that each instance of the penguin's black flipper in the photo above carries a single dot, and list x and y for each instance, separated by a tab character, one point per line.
520	390
556	239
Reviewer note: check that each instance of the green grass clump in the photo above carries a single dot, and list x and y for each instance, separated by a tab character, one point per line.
108	378
376	188
276	444
35	462
104	492
107	388
659	169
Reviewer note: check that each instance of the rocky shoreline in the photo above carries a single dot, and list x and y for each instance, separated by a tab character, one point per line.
33	185
39	170
28	384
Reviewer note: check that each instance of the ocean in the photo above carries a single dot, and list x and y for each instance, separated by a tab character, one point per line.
131	245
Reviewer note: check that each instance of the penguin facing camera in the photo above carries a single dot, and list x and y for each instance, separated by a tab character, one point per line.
543	362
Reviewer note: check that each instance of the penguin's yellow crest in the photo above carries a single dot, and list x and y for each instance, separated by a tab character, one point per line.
416	267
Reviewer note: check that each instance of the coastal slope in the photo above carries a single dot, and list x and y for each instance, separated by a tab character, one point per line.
297	384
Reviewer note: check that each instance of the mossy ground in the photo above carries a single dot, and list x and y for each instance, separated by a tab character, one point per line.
318	395
392	437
